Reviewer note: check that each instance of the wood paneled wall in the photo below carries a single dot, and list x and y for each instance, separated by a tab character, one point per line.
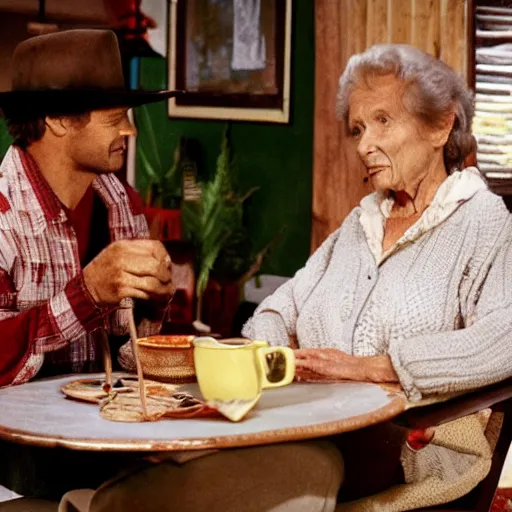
345	27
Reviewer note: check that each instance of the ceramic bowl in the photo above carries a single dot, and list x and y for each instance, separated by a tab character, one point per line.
169	358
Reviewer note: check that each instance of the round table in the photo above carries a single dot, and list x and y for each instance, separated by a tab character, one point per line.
37	413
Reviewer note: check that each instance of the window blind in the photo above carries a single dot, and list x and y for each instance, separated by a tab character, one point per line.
492	125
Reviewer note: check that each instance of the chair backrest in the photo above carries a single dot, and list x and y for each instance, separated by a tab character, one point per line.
181	312
481	497
499	398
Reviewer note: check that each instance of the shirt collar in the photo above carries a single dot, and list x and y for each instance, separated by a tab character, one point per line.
458	186
50	204
108	187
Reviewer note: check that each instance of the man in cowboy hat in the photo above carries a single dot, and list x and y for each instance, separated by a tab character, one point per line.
73	245
73	239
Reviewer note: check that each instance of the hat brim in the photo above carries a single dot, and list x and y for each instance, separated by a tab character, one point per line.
71	101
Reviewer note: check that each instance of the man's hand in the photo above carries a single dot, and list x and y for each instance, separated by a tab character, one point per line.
139	269
332	364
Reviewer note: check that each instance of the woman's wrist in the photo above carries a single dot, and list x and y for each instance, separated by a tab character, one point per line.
379	369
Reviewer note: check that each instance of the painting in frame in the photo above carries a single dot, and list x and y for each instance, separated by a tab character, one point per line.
232	58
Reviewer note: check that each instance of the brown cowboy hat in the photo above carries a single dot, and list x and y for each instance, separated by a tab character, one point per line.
70	72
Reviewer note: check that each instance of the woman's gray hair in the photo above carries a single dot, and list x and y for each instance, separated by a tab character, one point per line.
433	90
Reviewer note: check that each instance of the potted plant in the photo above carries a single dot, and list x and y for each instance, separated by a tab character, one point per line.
214	223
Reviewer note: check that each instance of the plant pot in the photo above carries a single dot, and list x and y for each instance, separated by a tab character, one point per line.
165	222
220	303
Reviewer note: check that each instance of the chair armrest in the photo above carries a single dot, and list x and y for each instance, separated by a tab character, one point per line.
455	408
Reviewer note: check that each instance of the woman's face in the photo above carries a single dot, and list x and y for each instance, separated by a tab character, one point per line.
398	151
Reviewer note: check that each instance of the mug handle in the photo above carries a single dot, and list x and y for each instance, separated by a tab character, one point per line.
289	372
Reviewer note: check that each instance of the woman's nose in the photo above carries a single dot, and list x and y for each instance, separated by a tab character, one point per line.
367	144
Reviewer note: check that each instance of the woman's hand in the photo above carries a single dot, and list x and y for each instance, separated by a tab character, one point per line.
320	364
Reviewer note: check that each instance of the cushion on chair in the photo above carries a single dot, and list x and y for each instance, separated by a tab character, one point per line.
78	500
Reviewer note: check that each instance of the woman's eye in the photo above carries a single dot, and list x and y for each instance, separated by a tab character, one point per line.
382	119
355	132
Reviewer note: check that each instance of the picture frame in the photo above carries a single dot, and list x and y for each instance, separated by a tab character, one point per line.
232	58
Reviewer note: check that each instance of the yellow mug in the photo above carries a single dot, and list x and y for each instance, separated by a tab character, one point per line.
236	370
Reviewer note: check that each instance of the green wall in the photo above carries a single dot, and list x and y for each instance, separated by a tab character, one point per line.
5	139
276	158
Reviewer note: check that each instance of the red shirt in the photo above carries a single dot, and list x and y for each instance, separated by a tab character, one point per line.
81	219
46	312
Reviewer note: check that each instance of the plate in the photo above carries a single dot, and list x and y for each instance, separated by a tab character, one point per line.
86	390
91	390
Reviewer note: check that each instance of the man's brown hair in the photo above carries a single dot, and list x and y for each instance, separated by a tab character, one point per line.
25	131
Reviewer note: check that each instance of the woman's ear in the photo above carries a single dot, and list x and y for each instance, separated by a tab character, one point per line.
439	135
56	125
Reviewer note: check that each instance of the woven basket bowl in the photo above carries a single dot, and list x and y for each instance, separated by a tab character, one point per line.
167	358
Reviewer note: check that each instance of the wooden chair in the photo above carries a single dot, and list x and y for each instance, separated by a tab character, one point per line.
499	398
181	313
220	300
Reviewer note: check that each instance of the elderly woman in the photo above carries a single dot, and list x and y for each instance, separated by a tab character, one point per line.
415	286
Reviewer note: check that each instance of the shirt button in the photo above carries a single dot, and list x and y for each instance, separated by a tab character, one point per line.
369	277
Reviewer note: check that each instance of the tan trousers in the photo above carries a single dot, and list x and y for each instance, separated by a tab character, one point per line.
289	477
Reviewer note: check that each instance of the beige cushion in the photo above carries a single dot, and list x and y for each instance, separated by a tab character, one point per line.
76	501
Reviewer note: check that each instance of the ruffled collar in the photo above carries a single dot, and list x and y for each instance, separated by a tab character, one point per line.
376	208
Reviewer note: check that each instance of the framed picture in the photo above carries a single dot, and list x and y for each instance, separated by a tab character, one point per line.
232	57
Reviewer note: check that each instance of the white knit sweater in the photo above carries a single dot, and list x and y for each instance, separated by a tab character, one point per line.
439	302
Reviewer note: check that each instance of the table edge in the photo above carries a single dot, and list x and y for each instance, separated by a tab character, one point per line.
387	412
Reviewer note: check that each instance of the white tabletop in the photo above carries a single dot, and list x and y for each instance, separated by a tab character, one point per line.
37	413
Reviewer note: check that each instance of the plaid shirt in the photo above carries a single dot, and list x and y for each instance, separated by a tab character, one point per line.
45	308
